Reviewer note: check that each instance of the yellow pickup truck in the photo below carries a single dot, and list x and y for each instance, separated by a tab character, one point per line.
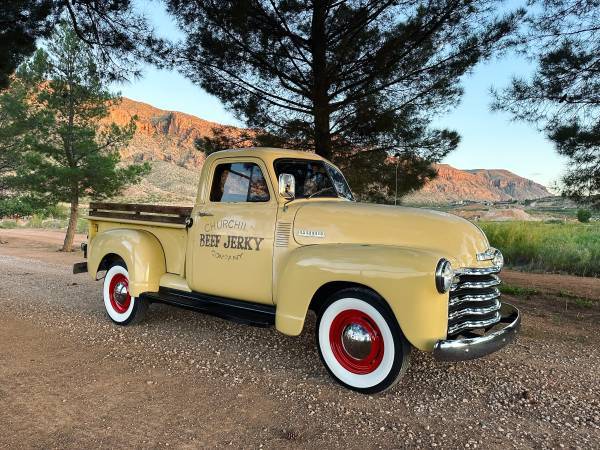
275	234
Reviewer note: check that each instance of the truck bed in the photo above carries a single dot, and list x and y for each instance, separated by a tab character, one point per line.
166	223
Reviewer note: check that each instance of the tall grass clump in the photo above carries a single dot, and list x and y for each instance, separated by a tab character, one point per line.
82	225
8	224
550	247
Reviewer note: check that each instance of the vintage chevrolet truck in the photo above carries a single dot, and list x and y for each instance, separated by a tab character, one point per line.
275	234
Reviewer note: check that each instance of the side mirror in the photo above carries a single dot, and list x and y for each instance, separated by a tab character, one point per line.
287	186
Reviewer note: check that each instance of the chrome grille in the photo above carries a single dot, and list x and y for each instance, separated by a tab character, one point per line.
474	300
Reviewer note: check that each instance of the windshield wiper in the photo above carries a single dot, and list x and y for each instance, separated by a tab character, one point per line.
320	191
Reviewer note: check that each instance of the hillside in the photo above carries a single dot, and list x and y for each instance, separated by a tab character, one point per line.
516	187
164	135
453	185
166	183
166	140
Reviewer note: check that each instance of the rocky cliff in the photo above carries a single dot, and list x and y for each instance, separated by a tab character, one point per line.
453	185
164	135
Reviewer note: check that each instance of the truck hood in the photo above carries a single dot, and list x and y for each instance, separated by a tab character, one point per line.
328	222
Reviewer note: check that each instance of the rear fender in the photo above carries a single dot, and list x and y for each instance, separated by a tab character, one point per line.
403	277
140	250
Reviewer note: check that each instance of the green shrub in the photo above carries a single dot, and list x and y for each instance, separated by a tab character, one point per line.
584	215
584	302
27	206
568	247
59	211
16	207
517	291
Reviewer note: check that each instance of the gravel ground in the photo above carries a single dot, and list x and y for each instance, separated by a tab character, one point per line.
71	379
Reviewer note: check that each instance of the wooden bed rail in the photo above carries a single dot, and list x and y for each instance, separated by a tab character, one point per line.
146	213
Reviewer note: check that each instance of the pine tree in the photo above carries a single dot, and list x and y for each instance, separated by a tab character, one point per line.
356	81
110	28
562	97
22	22
69	153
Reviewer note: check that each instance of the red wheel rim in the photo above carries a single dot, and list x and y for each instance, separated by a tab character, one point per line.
118	290
371	356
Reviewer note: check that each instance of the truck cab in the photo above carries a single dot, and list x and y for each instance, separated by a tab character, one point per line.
276	233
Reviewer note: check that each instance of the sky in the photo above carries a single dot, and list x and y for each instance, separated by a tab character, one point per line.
488	140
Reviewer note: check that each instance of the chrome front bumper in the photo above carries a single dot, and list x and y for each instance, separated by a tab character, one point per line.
462	349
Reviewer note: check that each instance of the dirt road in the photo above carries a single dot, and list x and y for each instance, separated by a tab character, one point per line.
71	379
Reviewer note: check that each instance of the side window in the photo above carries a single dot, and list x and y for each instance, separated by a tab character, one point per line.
239	182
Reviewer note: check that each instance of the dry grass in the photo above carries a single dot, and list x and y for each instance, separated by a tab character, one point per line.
166	183
550	247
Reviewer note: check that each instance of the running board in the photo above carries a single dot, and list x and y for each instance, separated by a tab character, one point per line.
239	311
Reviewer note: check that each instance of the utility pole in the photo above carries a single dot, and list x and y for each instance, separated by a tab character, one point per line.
397	156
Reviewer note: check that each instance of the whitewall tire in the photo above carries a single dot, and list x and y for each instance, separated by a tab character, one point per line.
121	307
360	341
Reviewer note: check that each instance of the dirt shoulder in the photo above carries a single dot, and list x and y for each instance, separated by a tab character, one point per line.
69	378
583	287
40	244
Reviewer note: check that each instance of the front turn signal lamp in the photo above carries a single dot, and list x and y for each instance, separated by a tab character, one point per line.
494	255
498	259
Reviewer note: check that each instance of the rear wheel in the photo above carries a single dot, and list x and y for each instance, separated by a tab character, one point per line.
360	341
121	307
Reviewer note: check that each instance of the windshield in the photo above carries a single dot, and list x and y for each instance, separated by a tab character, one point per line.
314	178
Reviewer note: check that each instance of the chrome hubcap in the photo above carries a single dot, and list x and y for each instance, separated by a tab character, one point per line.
356	341
120	293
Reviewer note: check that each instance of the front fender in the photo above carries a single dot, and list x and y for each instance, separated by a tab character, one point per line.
140	250
404	277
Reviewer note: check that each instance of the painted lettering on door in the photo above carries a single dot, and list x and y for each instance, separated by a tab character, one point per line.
231	242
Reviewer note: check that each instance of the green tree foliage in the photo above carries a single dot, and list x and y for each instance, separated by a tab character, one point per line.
14	123
22	22
563	96
25	206
354	80
110	28
223	138
69	153
584	215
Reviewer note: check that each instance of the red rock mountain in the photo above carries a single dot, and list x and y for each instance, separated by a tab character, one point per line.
453	185
164	135
166	138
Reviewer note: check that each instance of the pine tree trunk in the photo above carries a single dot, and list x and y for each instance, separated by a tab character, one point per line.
322	134
321	107
68	244
68	147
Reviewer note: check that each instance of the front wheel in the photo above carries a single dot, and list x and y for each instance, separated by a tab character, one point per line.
121	307
360	341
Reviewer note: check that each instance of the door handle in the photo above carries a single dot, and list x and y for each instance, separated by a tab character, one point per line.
204	214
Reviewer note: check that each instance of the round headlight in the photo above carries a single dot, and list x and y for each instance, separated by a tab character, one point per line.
498	259
444	275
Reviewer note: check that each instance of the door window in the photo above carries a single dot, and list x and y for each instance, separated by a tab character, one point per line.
239	182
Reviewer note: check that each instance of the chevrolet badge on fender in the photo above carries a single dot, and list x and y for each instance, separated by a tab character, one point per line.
311	233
